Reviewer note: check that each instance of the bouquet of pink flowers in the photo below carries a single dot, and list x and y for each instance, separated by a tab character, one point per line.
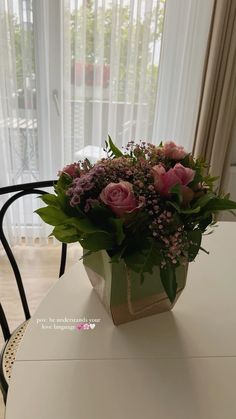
148	205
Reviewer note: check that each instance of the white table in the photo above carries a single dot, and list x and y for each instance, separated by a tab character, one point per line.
177	365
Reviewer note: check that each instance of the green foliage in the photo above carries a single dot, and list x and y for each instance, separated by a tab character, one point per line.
65	233
52	215
168	280
60	188
71	229
103	217
50	199
203	200
97	241
209	181
100	214
176	190
219	204
182	210
62	184
194	239
111	149
145	258
205	222
84	225
118	223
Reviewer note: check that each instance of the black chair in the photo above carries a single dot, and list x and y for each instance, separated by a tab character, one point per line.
12	340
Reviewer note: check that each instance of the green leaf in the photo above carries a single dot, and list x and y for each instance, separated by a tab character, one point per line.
116	257
84	225
117	223
174	205
50	199
209	181
63	184
115	150
184	211
143	260
176	190
190	210
204	250
65	234
168	279
52	215
99	214
204	222
203	200
85	254
219	204
195	237
97	241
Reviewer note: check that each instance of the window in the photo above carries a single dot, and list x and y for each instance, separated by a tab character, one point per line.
75	71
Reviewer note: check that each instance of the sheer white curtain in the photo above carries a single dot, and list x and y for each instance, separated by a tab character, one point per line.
19	140
186	29
111	54
73	71
18	123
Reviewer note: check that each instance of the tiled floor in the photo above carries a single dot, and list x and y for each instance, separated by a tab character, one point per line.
39	267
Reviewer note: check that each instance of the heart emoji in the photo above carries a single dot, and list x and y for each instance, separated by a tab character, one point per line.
92	326
80	326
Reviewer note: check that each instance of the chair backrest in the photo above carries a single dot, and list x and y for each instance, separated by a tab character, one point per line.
19	191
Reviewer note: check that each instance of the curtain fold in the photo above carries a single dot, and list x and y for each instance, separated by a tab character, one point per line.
19	141
184	44
217	112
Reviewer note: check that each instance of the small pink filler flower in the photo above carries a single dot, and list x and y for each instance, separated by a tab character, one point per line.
119	197
173	151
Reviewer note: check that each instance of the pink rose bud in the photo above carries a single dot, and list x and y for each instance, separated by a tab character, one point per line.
158	171
119	197
185	174
71	169
164	181
173	151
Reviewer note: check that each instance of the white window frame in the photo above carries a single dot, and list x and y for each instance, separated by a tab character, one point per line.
48	58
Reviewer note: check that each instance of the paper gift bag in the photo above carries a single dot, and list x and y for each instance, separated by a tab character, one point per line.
122	292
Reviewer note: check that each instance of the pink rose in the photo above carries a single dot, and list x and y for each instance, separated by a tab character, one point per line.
165	180
157	172
72	170
173	151
119	197
185	174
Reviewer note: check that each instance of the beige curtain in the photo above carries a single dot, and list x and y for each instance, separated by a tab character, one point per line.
217	112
